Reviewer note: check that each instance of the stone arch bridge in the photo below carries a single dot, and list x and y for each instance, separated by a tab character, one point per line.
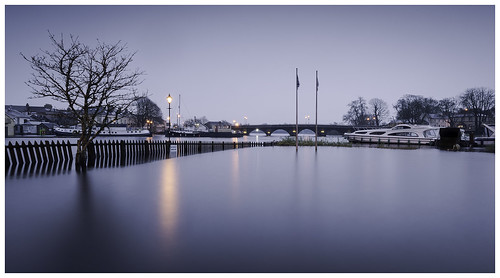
323	130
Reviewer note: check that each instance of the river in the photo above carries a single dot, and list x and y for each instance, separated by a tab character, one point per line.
260	210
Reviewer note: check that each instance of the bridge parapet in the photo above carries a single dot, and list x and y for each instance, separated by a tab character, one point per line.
323	130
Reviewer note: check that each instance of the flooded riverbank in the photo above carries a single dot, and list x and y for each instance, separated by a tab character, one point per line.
260	210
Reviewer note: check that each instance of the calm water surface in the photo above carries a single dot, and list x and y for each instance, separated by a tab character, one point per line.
260	210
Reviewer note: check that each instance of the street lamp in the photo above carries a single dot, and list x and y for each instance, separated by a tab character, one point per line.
246	123
169	99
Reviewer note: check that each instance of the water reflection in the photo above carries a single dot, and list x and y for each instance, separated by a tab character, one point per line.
235	177
169	201
39	169
260	210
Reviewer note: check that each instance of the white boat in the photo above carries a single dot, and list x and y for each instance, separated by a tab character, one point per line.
107	131
399	134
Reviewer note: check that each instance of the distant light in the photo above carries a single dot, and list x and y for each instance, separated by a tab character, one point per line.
322	131
257	129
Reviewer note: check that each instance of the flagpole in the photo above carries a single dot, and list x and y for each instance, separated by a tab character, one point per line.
316	137
297	110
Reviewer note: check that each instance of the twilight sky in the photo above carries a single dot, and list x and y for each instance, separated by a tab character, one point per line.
228	62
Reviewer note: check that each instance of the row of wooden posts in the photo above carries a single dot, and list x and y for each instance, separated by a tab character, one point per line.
112	153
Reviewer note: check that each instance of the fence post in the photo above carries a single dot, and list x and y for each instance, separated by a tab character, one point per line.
222	145
7	160
12	154
54	151
36	148
32	153
146	149
24	148
122	153
49	152
70	152
59	151
19	153
91	154
106	149
167	143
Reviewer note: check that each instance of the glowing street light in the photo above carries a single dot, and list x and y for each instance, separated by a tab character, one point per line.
169	100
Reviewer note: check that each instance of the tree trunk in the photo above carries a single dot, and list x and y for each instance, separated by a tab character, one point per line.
81	153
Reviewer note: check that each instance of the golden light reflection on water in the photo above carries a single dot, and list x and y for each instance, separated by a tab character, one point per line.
169	200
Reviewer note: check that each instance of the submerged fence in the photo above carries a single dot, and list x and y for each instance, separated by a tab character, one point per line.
59	155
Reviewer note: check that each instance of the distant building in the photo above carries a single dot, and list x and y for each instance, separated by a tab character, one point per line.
9	125
46	128
17	116
29	128
437	120
466	120
220	126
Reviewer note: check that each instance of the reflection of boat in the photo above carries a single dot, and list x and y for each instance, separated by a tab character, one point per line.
400	134
107	131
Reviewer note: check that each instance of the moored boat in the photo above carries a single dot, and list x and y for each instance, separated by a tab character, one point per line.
108	131
182	133
489	132
399	134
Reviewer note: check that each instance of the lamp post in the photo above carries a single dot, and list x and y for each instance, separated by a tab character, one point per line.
169	99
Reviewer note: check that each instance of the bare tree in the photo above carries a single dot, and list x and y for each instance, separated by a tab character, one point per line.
481	101
415	109
357	112
379	109
145	109
92	81
448	108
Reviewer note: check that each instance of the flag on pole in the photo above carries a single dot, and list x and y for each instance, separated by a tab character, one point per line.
317	82
298	84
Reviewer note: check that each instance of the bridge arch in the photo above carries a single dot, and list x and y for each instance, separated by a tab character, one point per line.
307	131
281	131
